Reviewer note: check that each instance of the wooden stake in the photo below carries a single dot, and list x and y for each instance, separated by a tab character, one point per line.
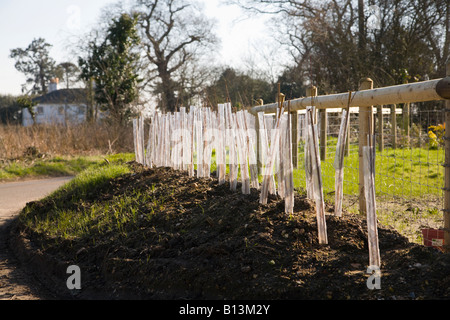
369	190
365	129
406	124
323	134
310	92
394	125
289	174
280	169
318	187
380	128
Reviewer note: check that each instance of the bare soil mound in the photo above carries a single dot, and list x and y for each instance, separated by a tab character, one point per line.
207	242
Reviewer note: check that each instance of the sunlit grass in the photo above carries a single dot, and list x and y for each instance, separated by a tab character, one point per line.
69	217
404	172
57	166
51	167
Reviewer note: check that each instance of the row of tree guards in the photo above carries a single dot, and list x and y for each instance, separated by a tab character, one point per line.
188	140
246	144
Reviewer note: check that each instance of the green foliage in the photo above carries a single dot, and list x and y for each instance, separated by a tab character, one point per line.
112	64
10	110
407	173
291	83
94	177
240	89
27	103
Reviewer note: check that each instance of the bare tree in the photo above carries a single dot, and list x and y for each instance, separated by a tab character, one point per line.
174	34
334	44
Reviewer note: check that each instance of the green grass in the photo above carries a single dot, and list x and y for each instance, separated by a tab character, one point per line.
403	172
406	173
408	184
71	217
51	167
93	177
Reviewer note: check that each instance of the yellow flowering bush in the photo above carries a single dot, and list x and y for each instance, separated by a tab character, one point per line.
436	135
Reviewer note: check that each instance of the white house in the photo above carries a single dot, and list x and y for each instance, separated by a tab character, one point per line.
58	106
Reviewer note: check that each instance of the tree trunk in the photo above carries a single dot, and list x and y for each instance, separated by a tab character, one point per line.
169	100
361	26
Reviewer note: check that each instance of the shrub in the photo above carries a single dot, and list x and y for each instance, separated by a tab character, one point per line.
436	136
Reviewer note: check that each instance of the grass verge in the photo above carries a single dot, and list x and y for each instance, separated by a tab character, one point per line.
52	167
68	219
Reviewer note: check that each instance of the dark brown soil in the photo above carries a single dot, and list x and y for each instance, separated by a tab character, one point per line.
207	242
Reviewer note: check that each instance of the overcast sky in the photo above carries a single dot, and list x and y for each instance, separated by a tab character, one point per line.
58	22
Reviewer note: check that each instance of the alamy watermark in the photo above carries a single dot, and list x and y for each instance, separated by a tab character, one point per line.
210	137
74	280
374	19
374	280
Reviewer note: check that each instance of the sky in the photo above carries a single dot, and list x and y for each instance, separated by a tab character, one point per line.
59	22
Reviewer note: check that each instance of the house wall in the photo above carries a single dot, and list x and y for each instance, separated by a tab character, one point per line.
55	114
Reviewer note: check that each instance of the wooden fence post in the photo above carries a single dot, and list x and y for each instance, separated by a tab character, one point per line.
406	121
347	141
312	92
447	172
365	128
394	125
323	134
380	128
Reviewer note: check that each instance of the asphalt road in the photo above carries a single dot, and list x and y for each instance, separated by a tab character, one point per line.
15	195
15	282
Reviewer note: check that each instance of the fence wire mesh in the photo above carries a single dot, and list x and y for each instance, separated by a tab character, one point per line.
409	175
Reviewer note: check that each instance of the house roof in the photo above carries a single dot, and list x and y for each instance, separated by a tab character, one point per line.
63	96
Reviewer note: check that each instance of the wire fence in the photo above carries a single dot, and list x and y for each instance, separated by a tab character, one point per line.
409	176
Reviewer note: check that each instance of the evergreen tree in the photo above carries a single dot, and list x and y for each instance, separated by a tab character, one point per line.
37	65
113	66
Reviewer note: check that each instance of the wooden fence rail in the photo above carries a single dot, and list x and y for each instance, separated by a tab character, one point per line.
430	90
365	99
